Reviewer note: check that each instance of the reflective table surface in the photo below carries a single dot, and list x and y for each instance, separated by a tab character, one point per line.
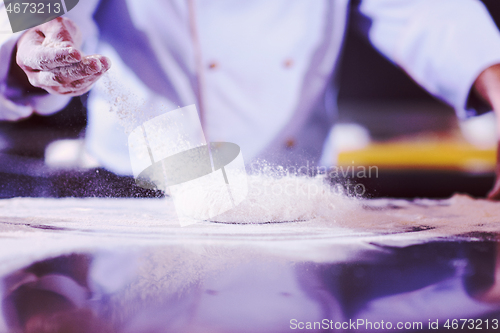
125	265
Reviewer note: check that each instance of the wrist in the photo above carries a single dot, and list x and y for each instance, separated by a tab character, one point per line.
487	85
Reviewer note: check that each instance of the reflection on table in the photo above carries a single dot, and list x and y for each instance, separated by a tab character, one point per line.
211	288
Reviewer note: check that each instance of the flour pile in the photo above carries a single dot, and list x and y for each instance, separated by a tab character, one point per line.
287	199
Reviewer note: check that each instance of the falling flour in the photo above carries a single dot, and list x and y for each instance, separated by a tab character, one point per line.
125	105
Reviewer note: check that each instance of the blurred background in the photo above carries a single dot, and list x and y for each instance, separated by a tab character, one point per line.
413	142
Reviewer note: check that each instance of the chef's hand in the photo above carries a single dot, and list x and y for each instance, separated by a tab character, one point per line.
495	192
487	86
50	57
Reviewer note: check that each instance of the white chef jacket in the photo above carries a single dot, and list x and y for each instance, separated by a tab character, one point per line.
259	71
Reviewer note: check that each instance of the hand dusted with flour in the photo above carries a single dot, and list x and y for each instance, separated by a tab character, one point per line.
50	57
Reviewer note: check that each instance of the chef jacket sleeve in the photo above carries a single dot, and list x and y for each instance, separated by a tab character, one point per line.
442	44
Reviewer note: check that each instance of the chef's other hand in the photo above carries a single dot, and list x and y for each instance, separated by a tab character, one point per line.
488	87
49	55
495	192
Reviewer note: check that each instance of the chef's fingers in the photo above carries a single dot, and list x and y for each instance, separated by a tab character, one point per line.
494	194
89	66
47	58
77	87
72	80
